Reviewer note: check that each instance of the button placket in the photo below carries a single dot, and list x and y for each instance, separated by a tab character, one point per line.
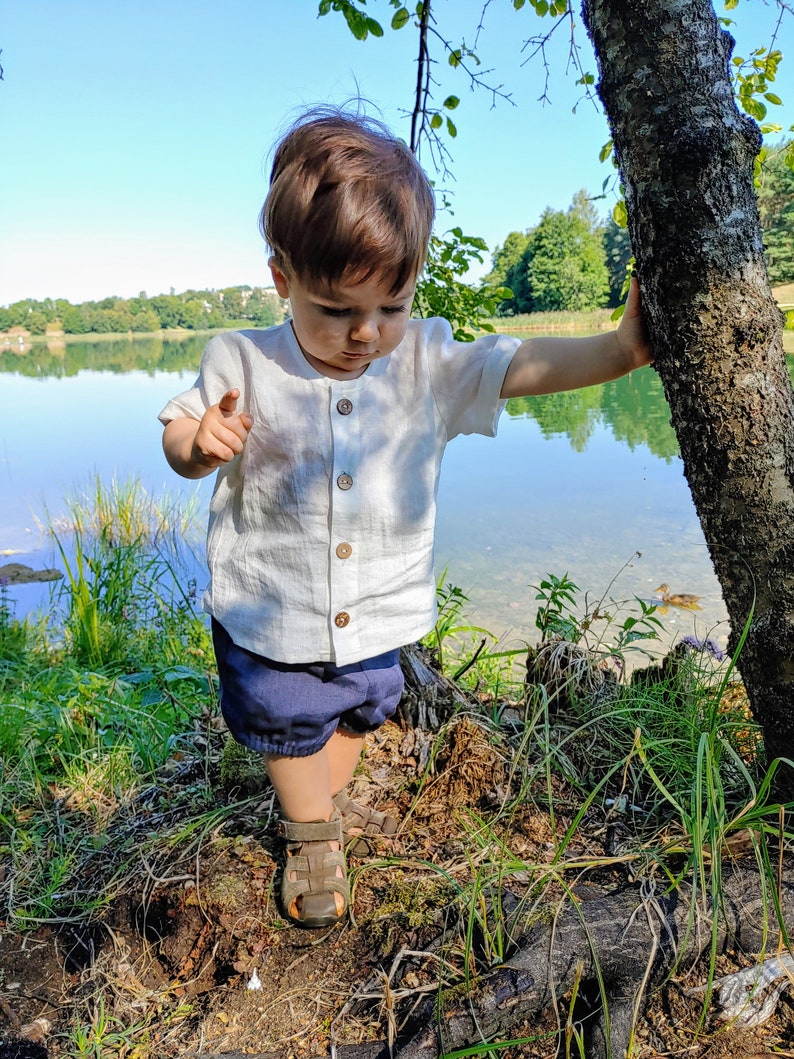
345	499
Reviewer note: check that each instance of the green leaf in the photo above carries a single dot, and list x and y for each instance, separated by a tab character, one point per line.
356	22
605	152
620	214
401	16
436	121
770	97
455	57
518	4
541	8
731	4
451	102
453	132
754	108
375	28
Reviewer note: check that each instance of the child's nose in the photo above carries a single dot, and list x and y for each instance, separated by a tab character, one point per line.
365	330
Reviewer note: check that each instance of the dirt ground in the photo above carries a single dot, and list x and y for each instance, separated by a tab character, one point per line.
192	956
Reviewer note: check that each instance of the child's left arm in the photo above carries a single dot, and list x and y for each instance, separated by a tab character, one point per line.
549	365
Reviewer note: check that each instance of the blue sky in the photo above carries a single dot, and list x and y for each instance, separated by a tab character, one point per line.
137	133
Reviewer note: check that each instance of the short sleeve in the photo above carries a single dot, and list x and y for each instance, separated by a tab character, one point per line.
220	370
466	377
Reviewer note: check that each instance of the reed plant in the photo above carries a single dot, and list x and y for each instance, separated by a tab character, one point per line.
127	592
125	512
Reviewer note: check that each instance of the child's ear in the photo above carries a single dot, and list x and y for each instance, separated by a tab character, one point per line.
279	279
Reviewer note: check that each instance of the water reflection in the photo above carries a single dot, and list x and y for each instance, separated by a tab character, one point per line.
118	355
633	407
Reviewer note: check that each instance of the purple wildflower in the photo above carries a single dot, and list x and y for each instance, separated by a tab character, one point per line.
707	645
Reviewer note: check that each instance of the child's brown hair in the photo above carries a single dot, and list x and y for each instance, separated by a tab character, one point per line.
348	200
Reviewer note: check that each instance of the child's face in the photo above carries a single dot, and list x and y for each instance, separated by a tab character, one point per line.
342	329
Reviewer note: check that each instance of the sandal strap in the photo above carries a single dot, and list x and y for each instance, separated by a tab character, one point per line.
316	872
313	831
368	821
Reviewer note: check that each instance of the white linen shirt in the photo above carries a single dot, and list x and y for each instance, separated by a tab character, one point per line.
320	540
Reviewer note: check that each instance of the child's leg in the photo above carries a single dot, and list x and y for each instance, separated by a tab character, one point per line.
344	752
303	785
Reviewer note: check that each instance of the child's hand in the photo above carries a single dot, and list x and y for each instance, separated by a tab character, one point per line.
222	433
632	333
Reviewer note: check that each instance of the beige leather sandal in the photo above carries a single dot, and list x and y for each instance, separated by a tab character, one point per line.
314	873
362	826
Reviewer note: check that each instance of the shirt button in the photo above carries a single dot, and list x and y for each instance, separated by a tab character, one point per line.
344	481
342	619
344	551
344	407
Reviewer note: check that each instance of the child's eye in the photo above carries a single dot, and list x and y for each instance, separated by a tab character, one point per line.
328	311
391	309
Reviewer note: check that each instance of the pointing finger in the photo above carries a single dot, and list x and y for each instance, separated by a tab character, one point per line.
228	403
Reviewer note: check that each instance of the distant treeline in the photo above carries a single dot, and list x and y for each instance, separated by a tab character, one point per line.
193	310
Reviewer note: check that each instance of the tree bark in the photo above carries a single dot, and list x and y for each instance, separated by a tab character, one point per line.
685	155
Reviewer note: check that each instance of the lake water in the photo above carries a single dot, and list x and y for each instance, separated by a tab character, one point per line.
576	483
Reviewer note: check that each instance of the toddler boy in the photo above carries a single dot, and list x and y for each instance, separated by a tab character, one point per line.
327	433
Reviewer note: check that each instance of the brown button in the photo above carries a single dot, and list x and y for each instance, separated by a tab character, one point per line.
343	550
344	481
342	619
344	407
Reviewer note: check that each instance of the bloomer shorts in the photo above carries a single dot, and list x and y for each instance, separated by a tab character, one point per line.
278	708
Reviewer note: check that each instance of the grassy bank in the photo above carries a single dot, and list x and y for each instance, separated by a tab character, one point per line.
522	323
554	323
11	340
133	842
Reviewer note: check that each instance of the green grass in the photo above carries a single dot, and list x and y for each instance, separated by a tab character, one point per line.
95	696
553	322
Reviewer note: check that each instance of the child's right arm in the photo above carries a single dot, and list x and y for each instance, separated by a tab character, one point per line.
195	448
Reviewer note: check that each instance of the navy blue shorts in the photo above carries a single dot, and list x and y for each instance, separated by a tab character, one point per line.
278	708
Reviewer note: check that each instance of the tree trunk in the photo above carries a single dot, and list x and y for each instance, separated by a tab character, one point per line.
686	156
